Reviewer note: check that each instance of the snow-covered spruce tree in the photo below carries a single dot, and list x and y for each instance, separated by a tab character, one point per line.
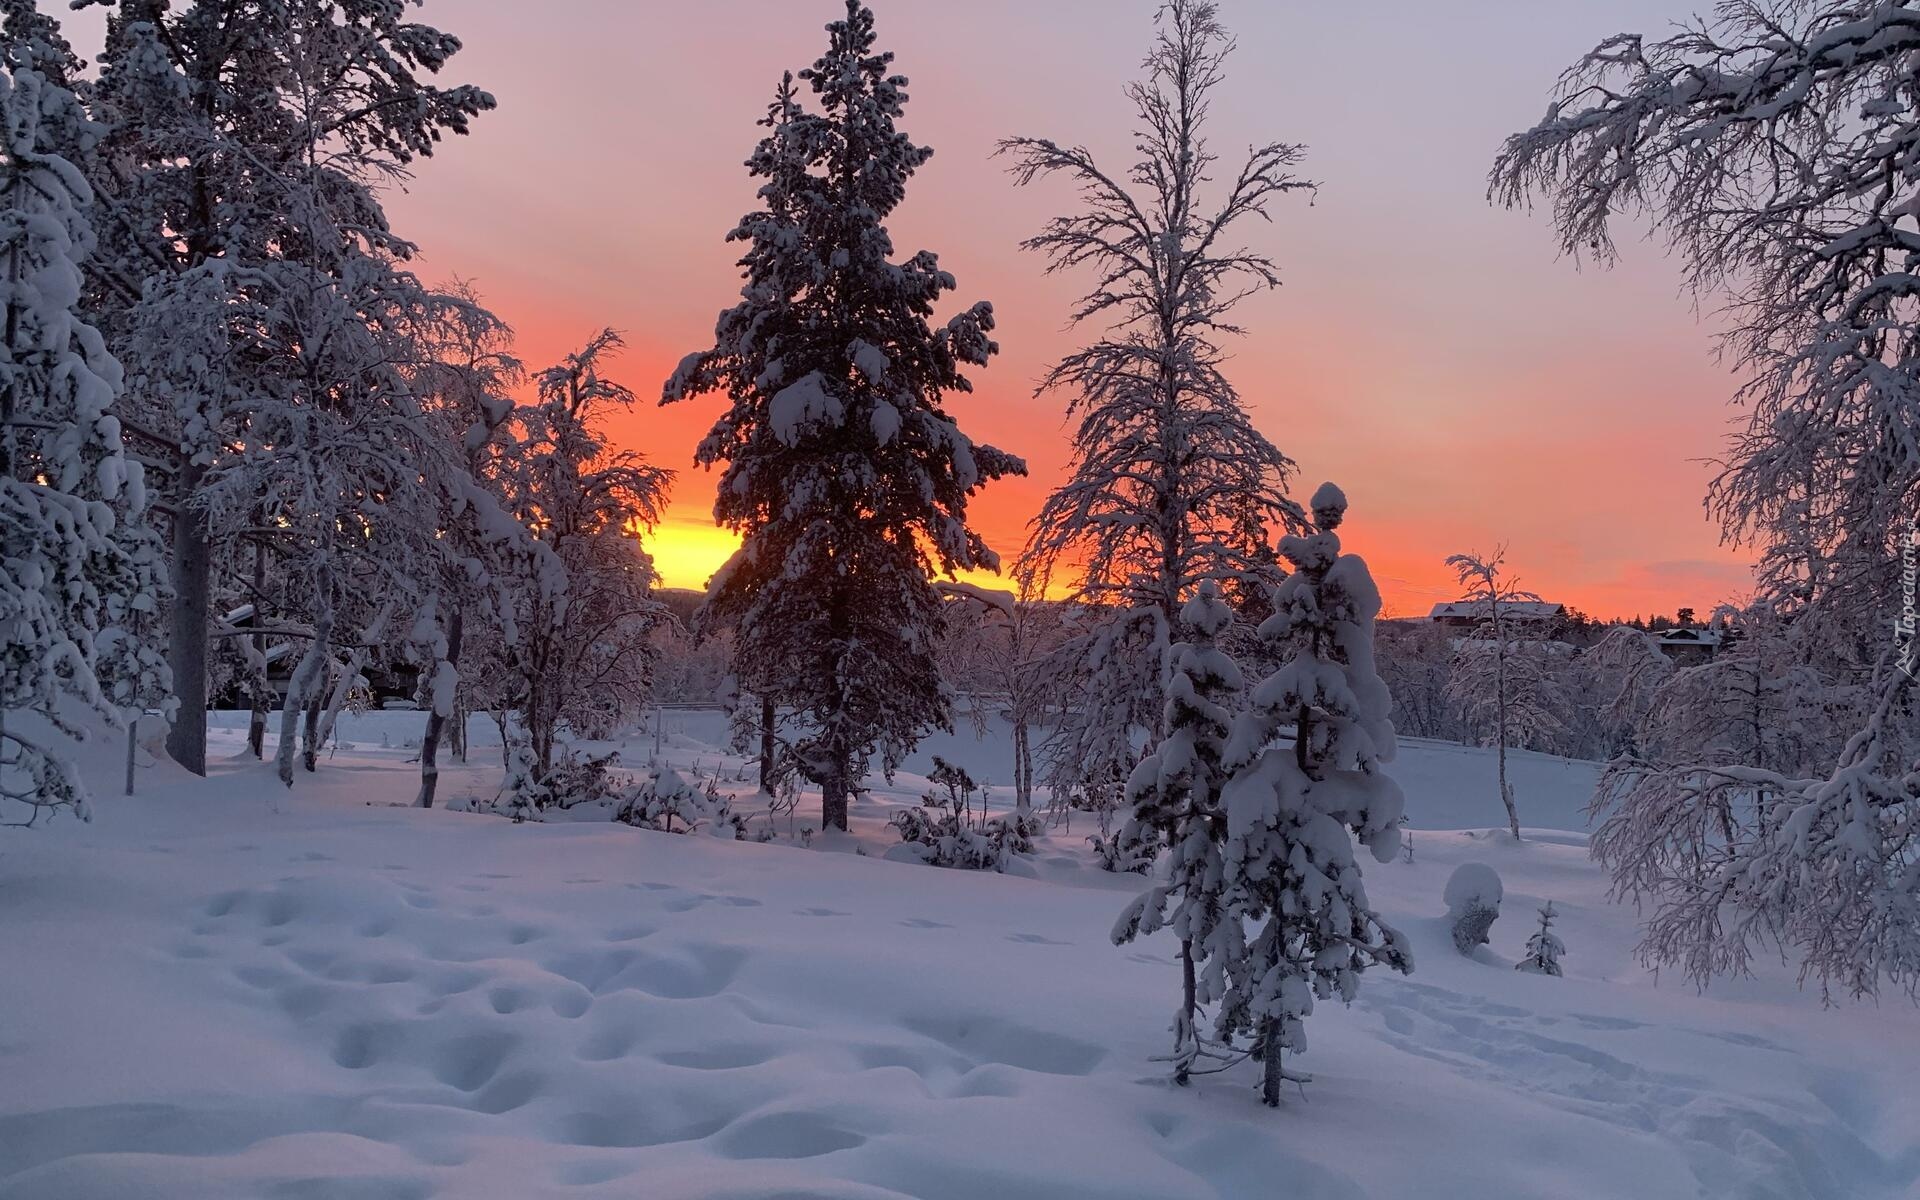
1175	793
845	475
1170	483
1544	948
241	232
584	612
1294	810
1499	681
1823	319
79	568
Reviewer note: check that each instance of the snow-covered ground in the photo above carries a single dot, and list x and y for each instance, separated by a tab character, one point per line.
220	990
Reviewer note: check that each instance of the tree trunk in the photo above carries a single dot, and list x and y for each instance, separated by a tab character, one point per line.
1500	684
1506	791
187	632
766	744
304	683
349	675
457	732
1187	1040
262	686
310	739
1270	1056
536	718
257	720
834	800
437	720
1022	767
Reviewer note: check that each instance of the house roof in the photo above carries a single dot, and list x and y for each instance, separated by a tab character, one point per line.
1519	610
1690	637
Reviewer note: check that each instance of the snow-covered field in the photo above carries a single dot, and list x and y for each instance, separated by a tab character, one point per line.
220	990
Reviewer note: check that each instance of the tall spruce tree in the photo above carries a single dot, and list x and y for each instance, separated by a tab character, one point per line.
844	473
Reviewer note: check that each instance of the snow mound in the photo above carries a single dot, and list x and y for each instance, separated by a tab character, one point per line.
1473	885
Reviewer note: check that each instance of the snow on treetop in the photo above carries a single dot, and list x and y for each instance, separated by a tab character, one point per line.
1473	885
1207	611
668	783
1328	502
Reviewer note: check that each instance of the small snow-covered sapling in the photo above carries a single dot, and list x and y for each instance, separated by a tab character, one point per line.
1544	948
1473	904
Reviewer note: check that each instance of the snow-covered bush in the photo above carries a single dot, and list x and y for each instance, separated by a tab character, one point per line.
523	794
1124	849
943	833
576	779
662	798
958	786
1544	948
1473	904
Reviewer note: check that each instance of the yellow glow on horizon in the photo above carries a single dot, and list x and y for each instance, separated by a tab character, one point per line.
687	551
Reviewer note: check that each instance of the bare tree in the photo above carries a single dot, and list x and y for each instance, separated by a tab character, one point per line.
464	383
1170	483
1769	143
1623	673
1517	703
585	615
1001	643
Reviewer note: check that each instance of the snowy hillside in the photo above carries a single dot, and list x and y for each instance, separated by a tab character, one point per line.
219	990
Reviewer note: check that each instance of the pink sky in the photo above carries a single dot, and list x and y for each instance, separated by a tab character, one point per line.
1429	353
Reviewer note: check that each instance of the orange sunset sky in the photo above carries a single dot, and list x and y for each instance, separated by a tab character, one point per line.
1429	353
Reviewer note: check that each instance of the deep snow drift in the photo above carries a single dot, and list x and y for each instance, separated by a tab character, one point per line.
219	990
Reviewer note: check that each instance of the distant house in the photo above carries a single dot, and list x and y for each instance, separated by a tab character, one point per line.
1467	614
1690	645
